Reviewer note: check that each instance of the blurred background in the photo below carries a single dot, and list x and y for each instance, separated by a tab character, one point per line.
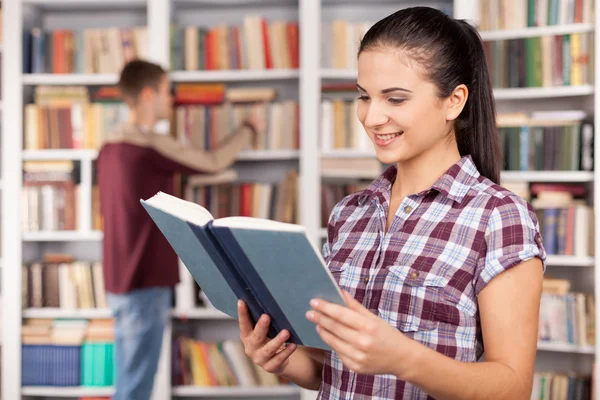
60	61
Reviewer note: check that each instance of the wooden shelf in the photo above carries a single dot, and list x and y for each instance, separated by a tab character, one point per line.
536	31
234	75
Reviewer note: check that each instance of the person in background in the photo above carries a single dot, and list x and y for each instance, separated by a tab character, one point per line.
140	268
437	260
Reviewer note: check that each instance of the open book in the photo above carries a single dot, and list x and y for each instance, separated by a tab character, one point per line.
272	266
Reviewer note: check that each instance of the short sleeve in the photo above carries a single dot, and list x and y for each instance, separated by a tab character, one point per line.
512	236
331	231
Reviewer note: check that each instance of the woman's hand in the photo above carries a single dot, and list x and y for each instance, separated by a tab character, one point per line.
364	342
270	354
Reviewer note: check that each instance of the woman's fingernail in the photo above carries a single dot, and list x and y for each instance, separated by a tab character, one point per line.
314	303
310	315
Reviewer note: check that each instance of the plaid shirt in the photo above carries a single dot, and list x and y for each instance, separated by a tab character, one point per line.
423	276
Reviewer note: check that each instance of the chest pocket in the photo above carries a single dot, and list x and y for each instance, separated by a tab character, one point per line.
411	299
346	273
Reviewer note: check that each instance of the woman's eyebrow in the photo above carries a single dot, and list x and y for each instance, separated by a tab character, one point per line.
388	90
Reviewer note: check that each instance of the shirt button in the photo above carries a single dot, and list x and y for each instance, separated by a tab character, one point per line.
414	275
407	209
367	279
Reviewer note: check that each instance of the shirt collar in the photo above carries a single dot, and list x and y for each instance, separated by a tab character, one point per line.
453	184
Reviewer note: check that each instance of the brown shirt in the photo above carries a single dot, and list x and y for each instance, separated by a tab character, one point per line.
131	166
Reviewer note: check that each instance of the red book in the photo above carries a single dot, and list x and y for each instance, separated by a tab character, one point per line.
265	35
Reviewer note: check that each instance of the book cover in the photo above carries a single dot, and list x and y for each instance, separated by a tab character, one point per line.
272	266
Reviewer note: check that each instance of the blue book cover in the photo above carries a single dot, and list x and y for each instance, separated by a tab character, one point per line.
273	266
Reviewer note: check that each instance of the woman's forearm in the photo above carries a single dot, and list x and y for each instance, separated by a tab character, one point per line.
304	369
447	379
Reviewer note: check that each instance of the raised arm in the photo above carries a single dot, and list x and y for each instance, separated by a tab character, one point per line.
176	157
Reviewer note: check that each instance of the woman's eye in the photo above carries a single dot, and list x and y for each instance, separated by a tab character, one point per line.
363	98
396	101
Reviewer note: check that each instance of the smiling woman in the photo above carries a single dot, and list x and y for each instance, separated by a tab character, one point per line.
437	260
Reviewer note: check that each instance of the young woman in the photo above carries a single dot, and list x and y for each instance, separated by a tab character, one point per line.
437	260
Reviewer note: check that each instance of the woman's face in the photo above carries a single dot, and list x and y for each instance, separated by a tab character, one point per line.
399	108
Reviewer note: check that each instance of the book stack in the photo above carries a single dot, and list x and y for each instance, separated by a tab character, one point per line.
60	282
261	200
500	15
564	386
49	196
332	193
207	113
222	363
566	220
67	352
561	60
547	141
70	117
254	44
566	317
340	43
86	51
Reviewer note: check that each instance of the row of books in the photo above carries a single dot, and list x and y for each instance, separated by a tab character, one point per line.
566	317
340	128
566	220
261	200
561	386
340	40
332	193
563	60
63	283
88	51
49	196
72	117
68	352
505	14
548	148
206	127
254	44
222	363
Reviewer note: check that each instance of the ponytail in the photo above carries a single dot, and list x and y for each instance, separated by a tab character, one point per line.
452	53
476	129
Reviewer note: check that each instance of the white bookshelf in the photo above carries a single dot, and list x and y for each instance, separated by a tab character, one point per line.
236	391
158	15
66	313
233	76
550	30
52	391
566	348
70	79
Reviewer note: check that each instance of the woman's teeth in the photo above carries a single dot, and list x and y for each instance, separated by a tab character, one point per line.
389	136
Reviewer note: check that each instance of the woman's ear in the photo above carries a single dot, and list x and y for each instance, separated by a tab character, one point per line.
456	102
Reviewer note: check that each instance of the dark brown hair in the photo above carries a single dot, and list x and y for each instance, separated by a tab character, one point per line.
451	53
137	75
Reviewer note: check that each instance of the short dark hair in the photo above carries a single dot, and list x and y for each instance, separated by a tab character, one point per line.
136	75
452	53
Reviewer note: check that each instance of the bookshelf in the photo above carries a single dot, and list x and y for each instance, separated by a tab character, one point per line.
303	84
